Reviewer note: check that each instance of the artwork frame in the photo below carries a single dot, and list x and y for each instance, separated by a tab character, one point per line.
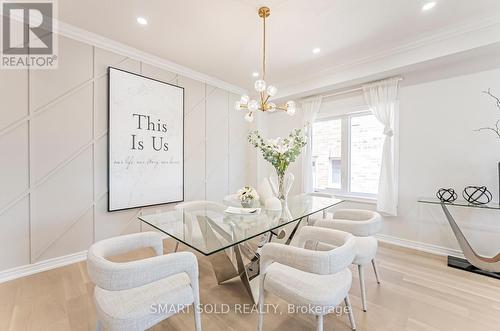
111	205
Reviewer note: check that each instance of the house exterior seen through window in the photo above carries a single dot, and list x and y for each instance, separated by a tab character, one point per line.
347	154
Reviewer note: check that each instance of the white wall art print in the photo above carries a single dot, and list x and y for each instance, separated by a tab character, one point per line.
145	141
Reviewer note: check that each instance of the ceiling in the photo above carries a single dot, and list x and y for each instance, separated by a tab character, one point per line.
222	38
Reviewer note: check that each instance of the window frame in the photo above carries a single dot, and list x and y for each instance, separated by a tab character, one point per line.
345	154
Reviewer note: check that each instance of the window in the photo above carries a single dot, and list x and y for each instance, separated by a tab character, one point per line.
326	145
347	153
335	172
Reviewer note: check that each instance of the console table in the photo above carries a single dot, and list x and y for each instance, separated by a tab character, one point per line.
488	266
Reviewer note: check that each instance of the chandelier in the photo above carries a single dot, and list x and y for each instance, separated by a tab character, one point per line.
265	91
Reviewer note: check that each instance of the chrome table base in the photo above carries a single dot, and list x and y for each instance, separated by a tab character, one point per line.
246	259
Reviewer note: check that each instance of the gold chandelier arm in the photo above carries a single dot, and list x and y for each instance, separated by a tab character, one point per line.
267	99
264	50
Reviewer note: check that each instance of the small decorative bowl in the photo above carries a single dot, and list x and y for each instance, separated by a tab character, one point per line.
246	203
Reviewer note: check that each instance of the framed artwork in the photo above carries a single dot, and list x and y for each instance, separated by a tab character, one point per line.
145	141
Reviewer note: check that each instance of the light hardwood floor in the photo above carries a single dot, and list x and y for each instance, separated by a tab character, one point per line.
418	292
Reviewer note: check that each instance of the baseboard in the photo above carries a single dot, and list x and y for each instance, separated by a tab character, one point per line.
49	264
44	265
420	246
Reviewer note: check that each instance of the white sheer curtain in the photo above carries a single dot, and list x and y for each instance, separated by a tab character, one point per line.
310	109
382	99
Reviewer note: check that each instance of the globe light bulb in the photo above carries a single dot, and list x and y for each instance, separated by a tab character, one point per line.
237	105
253	105
271	107
244	99
272	90
260	85
249	117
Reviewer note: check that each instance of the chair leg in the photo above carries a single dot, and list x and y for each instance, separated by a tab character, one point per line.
176	246
350	312
197	316
261	302
375	269
362	285
98	326
319	320
196	304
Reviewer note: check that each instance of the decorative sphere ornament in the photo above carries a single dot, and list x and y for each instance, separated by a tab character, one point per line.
237	105
446	195
253	105
272	90
477	195
244	99
260	85
273	203
249	117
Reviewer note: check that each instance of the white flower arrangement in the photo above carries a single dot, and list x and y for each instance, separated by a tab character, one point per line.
280	152
247	194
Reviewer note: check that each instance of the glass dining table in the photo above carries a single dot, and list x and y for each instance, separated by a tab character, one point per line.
231	241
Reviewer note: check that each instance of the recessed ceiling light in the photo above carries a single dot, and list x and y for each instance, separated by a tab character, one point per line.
142	21
428	6
316	50
255	74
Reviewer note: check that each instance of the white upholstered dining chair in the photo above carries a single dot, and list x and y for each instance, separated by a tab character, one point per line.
363	224
318	280
138	294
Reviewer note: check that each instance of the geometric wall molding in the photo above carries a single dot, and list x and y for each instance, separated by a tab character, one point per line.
54	202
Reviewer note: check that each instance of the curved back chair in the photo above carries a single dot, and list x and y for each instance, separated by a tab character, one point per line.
138	294
320	280
363	224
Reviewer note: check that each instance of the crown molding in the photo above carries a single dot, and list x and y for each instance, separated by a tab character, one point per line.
78	34
456	39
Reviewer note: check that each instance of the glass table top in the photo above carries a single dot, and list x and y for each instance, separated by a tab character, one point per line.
207	228
460	203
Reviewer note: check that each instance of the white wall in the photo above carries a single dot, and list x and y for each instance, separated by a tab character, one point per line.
53	138
438	148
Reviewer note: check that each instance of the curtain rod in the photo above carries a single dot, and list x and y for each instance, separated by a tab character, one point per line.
359	88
